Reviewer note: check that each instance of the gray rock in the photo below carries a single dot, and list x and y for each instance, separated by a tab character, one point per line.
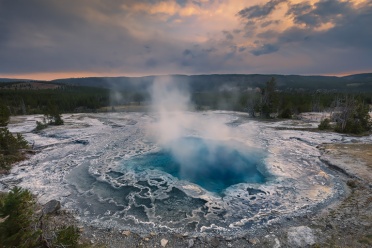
254	241
271	241
215	242
301	236
190	243
164	242
51	207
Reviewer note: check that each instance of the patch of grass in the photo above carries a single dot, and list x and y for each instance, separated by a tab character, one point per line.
352	184
67	237
365	240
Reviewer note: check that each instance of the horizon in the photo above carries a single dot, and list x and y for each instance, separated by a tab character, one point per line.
52	78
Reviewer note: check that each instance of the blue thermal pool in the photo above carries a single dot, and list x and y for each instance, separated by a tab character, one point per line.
212	165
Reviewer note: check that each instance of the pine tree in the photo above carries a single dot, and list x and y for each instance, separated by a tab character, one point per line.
4	115
18	226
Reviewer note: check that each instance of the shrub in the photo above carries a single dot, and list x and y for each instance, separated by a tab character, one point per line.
40	126
16	211
21	227
325	124
353	117
4	115
67	237
10	146
286	113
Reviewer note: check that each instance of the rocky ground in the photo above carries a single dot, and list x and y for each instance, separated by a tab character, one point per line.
346	223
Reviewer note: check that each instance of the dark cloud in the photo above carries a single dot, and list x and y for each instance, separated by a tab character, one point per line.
242	49
109	36
299	9
210	50
268	35
350	35
352	28
53	35
265	49
181	2
228	35
322	12
260	11
268	23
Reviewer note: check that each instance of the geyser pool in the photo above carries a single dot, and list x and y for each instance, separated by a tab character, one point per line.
210	164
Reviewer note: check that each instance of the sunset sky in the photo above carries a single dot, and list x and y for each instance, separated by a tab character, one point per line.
47	39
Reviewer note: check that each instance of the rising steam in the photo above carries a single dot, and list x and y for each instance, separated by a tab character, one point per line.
202	146
173	109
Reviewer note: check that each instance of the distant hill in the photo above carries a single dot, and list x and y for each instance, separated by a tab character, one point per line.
28	85
8	80
219	82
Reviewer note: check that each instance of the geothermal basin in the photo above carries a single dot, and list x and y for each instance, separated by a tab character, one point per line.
212	165
225	174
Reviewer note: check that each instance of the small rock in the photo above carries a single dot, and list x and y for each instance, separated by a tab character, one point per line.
329	226
191	243
272	241
152	233
163	242
178	235
214	242
126	233
254	241
301	236
51	207
81	229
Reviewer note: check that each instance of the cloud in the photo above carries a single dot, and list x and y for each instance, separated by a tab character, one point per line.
265	49
320	13
228	35
142	37
327	28
260	11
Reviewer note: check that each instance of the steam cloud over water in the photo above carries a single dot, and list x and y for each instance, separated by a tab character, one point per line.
197	150
171	104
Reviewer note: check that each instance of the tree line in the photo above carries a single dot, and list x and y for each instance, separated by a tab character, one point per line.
66	99
350	111
266	101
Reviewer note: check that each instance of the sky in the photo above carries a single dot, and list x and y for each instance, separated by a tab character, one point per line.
48	39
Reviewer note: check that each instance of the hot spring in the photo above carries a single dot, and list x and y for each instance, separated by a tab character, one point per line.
238	176
212	165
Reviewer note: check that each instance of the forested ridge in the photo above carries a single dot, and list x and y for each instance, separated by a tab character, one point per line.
263	96
66	98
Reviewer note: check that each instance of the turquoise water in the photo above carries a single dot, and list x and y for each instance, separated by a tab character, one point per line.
211	165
